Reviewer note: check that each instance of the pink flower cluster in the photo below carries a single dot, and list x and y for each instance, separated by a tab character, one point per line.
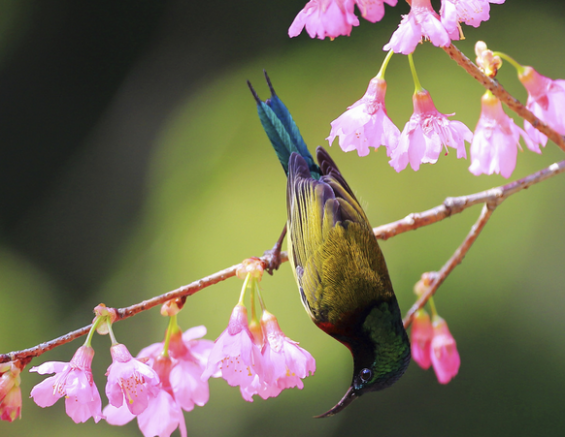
333	18
10	391
336	17
433	345
154	388
260	360
164	385
366	124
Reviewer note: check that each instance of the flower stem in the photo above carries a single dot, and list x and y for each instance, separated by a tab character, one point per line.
173	326
418	87
259	296
433	306
111	332
91	332
381	73
519	67
242	295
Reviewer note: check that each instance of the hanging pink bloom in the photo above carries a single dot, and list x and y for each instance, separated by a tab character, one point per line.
10	391
163	414
73	381
445	357
189	356
235	354
421	22
285	363
373	10
130	379
546	99
421	339
325	18
495	144
470	12
366	123
425	133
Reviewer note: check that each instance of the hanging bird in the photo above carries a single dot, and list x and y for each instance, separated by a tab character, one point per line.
339	268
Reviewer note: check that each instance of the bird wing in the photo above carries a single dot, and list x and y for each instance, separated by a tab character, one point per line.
332	248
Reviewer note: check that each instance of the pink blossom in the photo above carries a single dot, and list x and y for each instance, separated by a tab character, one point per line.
496	140
235	355
325	18
366	123
10	391
470	12
130	379
163	414
373	10
445	357
189	358
423	136
421	22
285	363
421	339
73	381
546	99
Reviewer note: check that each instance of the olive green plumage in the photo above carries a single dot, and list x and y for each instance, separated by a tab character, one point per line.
342	275
339	268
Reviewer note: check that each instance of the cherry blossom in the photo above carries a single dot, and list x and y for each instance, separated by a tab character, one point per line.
425	133
496	140
366	123
73	381
421	338
444	355
546	99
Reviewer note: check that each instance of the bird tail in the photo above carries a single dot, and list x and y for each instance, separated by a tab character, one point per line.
282	130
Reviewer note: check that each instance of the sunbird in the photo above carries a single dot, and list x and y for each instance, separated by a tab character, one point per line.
340	270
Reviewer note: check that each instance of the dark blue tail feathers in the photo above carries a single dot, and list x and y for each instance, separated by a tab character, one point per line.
282	130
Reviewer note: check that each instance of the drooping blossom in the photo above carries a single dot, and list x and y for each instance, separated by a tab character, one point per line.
546	99
425	133
130	381
323	18
444	355
470	12
421	336
235	355
285	363
334	18
10	391
74	381
366	123
163	414
496	140
189	354
421	22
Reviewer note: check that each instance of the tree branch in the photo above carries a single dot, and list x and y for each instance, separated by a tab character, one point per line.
450	206
455	260
504	96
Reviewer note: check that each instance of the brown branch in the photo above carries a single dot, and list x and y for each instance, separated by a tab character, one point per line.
456	259
455	205
504	96
450	206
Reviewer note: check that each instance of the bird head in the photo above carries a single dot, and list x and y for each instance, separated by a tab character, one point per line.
380	349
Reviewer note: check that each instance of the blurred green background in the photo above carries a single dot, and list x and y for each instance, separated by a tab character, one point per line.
132	162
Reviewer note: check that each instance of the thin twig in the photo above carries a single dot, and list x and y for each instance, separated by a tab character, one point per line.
455	205
504	96
456	259
450	206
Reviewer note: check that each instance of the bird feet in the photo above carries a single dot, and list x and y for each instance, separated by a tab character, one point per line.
272	258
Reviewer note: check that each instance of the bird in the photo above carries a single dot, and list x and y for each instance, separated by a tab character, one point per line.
338	265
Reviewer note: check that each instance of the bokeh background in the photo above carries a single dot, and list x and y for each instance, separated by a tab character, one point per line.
132	162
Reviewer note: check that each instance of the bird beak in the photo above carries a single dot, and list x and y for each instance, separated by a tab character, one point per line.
349	397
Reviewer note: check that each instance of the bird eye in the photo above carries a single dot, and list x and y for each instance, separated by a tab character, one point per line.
365	374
